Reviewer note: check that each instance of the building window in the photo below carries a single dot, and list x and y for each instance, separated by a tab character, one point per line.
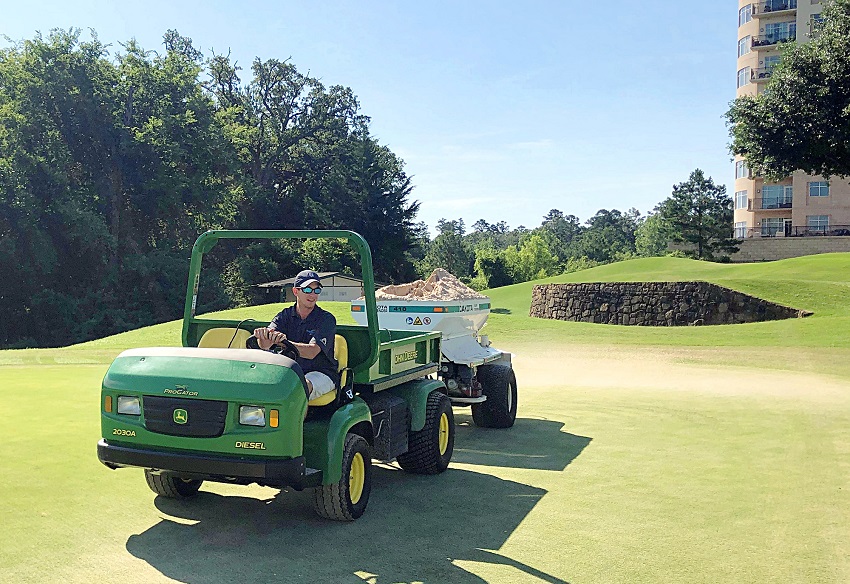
818	223
741	200
780	31
776	5
777	196
771	62
819	189
743	76
745	14
740	229
744	46
771	226
741	170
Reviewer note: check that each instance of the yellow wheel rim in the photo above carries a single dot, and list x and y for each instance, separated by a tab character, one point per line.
444	434
356	478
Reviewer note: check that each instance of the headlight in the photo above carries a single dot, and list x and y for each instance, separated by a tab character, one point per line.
129	405
252	416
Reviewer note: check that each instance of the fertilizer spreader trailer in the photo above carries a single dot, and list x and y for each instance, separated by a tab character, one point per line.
475	373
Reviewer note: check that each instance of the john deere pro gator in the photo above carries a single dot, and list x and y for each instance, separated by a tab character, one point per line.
217	410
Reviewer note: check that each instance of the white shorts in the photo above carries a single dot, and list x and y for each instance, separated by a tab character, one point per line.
322	384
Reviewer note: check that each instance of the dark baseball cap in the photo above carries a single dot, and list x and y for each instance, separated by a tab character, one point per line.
305	277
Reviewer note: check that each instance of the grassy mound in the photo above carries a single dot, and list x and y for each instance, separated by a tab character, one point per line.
818	283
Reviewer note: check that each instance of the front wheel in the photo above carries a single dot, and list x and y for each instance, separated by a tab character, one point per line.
430	449
499	385
171	486
346	500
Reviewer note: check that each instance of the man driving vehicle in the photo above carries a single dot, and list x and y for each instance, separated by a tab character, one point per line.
311	329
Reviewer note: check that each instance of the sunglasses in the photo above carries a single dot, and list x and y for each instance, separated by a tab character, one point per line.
309	290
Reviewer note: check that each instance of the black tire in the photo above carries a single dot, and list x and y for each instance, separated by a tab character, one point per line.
430	449
171	486
499	385
335	501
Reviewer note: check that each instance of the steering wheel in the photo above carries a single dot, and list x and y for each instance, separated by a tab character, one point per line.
285	347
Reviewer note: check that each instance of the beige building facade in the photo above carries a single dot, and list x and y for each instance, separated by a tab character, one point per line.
801	205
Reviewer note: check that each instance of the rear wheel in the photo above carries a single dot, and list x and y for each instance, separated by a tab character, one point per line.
171	486
499	385
346	500
430	449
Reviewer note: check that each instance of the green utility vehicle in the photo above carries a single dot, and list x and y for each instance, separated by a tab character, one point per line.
216	410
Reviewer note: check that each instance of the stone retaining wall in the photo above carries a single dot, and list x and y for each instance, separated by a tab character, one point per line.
653	304
760	249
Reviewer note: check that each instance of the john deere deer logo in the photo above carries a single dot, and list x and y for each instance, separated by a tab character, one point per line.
180	416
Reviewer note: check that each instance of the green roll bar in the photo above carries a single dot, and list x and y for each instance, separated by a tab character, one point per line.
206	241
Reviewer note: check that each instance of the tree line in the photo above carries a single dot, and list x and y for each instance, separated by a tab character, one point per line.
696	219
112	163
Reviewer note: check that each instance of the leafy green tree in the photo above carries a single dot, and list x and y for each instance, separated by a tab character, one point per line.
449	251
282	125
531	259
652	236
699	214
309	161
370	194
101	184
802	120
579	264
562	232
609	236
490	266
498	234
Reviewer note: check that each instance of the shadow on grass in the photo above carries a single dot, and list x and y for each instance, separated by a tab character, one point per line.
500	310
414	528
531	443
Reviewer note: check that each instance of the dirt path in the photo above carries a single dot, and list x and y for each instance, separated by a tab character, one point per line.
671	370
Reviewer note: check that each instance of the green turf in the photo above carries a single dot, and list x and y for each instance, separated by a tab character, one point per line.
818	283
622	483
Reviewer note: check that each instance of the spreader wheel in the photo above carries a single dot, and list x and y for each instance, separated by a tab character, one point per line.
499	385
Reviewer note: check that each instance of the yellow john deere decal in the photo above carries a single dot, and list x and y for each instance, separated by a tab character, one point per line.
254	445
406	356
180	416
180	390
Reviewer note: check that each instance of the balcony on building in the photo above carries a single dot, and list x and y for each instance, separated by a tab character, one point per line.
772	7
792	231
761	75
769	203
761	43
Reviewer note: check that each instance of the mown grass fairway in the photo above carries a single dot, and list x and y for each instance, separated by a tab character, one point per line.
699	454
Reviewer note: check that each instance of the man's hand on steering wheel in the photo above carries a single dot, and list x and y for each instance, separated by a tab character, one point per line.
275	341
266	337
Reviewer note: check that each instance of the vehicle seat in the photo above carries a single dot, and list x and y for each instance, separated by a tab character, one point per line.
341	355
223	338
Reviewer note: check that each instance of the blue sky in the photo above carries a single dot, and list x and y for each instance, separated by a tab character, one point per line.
501	111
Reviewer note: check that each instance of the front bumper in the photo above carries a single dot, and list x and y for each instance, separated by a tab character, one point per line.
277	472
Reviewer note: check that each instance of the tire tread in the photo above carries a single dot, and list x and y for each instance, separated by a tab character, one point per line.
331	501
422	456
494	413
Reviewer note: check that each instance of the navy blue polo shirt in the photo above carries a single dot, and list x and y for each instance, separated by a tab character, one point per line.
318	327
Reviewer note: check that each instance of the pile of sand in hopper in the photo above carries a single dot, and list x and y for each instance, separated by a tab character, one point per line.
440	285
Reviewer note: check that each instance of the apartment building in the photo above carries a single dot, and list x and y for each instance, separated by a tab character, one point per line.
800	205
